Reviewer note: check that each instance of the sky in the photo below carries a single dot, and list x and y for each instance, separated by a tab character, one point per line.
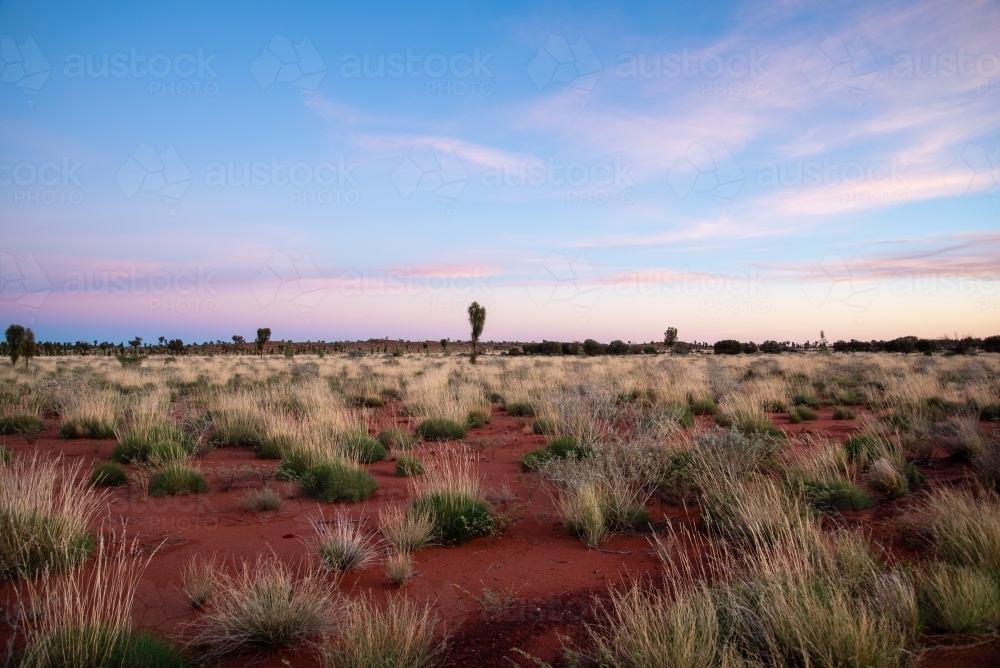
606	170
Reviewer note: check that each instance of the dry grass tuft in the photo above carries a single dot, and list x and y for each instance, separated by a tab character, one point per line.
402	635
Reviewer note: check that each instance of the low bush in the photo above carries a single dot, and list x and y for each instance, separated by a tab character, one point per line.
342	544
175	479
20	424
683	415
87	428
847	398
560	448
809	400
262	499
964	526
108	474
408	465
794	416
703	406
457	517
402	634
843	413
399	568
396	439
363	449
583	513
521	409
440	429
337	480
477	418
237	435
265	606
863	449
544	426
886	477
839	495
138	442
959	599
406	531
805	413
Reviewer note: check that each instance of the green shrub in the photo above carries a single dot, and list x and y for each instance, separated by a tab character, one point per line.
809	400
522	409
408	465
842	413
440	429
363	449
175	479
337	480
396	439
684	415
477	419
20	424
794	417
847	398
108	474
863	449
137	444
237	435
167	451
959	599
294	465
805	413
87	429
533	460
101	647
703	406
457	518
272	448
837	495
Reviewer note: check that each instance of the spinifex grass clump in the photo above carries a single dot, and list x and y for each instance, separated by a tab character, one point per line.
440	429
84	618
87	428
20	424
342	544
265	606
408	465
396	439
108	474
560	448
4	455
520	409
176	478
964	526
405	532
477	418
840	495
237	435
402	634
336	480
959	599
262	499
45	509
363	449
449	493
150	439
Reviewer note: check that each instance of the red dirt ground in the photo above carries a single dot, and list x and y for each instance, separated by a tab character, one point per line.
546	582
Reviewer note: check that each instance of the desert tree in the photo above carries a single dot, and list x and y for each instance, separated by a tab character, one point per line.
15	337
444	345
477	318
237	342
135	343
670	337
28	346
263	336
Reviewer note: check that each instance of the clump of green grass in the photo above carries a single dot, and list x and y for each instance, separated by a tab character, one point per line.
396	439
175	479
959	599
266	605
337	480
262	499
843	413
237	435
108	474
886	477
87	428
449	494
45	511
477	418
544	426
804	413
583	512
864	449
406	532
84	618
402	634
20	424
520	409
809	400
703	406
4	455
839	495
139	443
342	545
440	429
408	465
964	526
794	416
363	449
399	568
560	448
680	413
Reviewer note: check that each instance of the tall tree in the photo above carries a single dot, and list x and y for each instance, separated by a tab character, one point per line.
15	337
670	337
135	343
477	318
263	336
28	346
237	342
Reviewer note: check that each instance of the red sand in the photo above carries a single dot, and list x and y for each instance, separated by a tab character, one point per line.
547	580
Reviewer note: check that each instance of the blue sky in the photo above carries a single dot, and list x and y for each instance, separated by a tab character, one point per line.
606	170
